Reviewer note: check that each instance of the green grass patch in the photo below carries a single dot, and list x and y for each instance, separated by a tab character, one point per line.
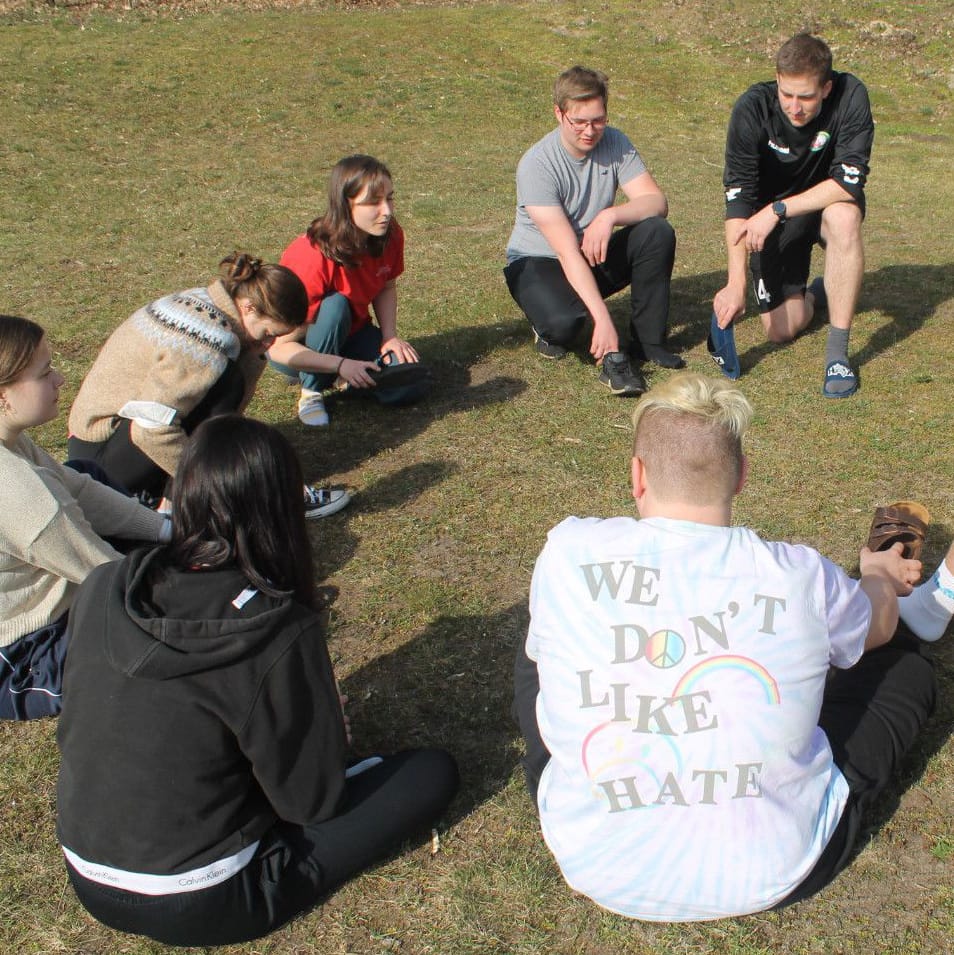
140	145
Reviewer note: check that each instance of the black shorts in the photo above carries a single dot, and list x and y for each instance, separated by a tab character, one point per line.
780	270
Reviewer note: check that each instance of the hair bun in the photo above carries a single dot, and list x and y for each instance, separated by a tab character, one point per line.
240	266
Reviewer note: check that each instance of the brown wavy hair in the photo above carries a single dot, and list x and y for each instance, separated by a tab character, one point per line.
335	232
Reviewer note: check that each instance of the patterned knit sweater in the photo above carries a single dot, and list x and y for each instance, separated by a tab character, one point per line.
167	355
52	520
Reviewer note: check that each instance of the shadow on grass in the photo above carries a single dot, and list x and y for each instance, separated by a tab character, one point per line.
907	294
452	687
361	428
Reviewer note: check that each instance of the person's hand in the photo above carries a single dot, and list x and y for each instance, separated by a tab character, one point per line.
595	239
403	351
902	572
342	699
605	339
728	305
354	373
758	228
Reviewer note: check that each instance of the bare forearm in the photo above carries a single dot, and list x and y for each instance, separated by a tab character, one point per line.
299	357
580	277
637	209
737	255
385	311
817	198
884	610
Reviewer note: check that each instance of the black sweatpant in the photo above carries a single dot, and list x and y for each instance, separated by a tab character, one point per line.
640	256
295	866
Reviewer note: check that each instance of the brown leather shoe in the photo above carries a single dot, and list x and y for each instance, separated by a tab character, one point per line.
904	521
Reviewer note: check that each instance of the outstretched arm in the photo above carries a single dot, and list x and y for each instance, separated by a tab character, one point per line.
557	230
385	311
885	576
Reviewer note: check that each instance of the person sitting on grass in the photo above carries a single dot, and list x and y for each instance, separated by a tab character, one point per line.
178	361
207	793
350	260
690	755
52	528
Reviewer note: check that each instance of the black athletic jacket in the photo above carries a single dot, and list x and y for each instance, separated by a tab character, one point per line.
192	721
767	158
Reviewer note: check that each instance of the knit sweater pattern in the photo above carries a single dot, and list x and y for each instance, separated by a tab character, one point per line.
170	352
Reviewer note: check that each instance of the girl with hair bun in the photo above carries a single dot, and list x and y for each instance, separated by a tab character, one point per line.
178	361
207	793
53	521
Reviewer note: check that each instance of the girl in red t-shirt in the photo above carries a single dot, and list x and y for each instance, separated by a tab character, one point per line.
349	260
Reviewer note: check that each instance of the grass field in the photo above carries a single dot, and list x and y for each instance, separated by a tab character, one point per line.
140	145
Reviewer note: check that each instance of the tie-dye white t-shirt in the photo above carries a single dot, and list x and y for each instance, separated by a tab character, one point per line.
682	668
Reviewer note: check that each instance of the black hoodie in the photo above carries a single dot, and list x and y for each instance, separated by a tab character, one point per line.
192	719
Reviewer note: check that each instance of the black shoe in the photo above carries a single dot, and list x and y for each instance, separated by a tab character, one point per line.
546	349
619	376
657	354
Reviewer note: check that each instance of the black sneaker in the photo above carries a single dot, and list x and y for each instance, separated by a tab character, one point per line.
619	376
546	349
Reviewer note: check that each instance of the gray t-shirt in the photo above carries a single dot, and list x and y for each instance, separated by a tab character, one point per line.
548	175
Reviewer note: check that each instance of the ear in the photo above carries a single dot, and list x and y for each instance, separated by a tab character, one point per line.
244	306
557	113
639	479
826	89
743	475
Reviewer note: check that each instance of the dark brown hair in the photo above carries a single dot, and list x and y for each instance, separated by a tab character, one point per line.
274	290
335	232
237	501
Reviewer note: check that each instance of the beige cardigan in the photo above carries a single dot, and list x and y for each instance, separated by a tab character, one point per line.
52	520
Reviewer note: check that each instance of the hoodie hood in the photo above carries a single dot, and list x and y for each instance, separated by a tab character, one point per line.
163	623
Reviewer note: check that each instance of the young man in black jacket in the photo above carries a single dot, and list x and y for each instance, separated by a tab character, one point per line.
796	162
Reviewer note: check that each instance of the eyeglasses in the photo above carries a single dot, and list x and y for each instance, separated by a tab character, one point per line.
578	125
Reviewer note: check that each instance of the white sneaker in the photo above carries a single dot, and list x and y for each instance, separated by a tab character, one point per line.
311	409
323	501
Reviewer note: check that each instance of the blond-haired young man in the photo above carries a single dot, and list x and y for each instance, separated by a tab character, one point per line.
690	756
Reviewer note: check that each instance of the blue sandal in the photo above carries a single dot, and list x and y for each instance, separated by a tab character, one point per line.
721	345
840	380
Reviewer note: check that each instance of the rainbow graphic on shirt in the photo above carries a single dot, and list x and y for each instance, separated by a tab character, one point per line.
756	671
611	745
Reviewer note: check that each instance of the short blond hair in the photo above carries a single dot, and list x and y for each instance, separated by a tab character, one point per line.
688	433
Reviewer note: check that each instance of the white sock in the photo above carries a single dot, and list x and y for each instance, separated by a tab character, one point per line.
928	609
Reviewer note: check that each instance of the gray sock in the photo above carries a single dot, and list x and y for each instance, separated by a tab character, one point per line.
837	347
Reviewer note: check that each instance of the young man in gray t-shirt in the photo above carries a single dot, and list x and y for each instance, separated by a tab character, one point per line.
566	254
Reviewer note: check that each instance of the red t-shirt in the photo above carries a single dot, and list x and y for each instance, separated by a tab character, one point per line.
360	286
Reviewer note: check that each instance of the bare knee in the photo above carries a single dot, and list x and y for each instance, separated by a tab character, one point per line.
841	225
777	335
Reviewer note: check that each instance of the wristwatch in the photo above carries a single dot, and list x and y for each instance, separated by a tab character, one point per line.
779	209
